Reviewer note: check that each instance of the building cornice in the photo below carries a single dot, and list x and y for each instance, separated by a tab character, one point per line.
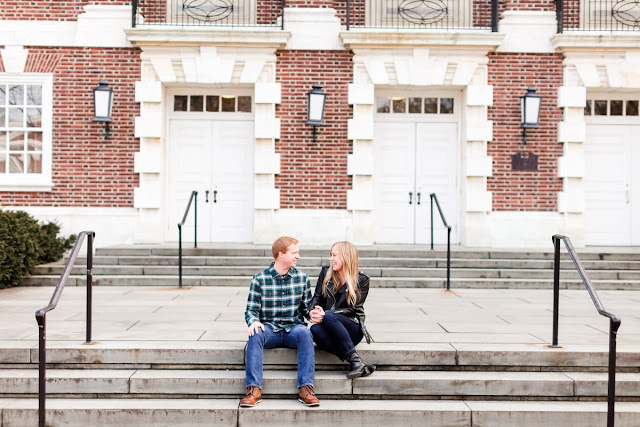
590	41
380	38
273	38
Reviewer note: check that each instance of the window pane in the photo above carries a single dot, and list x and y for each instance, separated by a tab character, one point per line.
34	117
16	95
229	103
244	104
3	140
16	116
3	95
34	95
34	163
16	163
632	108
3	162
213	103
180	103
600	108
431	105
197	103
415	105
34	141
616	108
587	108
400	105
446	106
382	105
16	141
3	117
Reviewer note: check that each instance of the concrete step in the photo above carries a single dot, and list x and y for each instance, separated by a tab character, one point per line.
329	384
290	412
387	356
248	271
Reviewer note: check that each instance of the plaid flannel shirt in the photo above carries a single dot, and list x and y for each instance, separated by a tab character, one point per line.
278	300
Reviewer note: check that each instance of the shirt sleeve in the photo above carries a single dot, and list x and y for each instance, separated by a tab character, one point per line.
318	298
254	302
305	303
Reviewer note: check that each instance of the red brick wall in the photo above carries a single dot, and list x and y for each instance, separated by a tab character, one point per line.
313	175
48	10
511	74
87	170
539	5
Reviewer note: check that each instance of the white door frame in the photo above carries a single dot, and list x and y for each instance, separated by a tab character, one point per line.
217	116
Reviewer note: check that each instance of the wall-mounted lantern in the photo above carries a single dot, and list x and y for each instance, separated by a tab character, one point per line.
529	112
102	103
315	108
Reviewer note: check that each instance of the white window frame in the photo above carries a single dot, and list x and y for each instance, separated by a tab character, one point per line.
42	181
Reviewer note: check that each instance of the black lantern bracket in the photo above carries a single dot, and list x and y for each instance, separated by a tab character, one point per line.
529	112
102	105
316	100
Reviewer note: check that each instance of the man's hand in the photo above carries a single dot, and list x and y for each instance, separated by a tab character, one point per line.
254	328
316	315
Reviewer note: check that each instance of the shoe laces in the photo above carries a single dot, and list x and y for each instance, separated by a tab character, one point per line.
250	390
309	390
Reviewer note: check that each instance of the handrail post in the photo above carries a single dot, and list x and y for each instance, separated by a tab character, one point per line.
611	394
282	16
560	15
179	255
134	12
556	289
195	221
42	366
89	284
348	13
448	257
431	197
494	16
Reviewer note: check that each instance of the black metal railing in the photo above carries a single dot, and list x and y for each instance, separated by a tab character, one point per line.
194	199
444	221
424	14
614	321
219	13
41	316
598	15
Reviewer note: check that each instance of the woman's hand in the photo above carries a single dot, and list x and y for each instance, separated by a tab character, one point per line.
316	315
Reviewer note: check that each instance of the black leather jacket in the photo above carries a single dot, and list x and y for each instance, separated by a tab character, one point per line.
337	302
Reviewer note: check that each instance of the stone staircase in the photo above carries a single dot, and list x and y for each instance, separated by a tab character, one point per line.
177	383
388	266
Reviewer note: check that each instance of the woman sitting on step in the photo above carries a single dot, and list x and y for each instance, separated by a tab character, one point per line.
338	313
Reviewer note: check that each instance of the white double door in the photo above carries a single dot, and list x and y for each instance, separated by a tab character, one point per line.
411	161
612	185
214	158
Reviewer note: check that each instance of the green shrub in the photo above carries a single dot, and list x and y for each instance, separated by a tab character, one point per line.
24	243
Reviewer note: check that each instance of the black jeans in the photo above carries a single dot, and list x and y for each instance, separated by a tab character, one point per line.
337	334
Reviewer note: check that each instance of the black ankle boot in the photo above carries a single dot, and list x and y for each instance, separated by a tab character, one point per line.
357	366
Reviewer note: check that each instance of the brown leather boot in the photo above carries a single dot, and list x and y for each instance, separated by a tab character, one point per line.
253	396
307	396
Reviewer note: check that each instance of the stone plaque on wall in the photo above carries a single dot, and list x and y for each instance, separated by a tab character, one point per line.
524	161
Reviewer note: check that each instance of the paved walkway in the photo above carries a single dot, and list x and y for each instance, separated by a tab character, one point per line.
466	316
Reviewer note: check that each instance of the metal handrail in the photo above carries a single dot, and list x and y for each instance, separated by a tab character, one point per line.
614	321
444	221
41	315
194	198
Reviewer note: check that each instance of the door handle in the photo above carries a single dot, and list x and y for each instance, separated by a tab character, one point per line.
215	193
206	193
418	195
410	197
627	193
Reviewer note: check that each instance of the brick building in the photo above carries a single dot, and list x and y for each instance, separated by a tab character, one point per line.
421	97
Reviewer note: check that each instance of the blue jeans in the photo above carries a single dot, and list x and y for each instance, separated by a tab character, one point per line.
299	337
337	334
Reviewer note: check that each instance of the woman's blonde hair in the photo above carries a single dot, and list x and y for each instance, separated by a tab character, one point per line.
349	255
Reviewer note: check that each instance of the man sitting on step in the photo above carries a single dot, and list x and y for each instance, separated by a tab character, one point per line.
278	299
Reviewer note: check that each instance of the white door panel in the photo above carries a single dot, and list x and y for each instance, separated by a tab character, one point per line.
208	155
414	158
393	181
436	173
607	185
